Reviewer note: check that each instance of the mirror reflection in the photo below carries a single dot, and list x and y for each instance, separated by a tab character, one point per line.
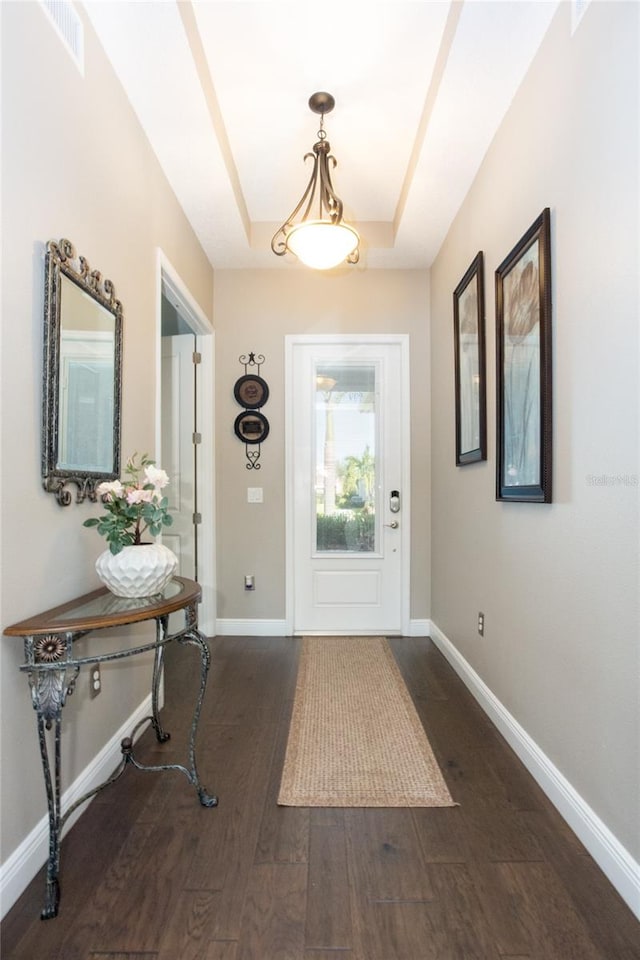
82	360
85	402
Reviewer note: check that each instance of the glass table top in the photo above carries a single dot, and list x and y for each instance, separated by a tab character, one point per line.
108	604
101	608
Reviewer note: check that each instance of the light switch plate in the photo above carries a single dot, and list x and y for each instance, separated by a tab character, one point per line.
254	495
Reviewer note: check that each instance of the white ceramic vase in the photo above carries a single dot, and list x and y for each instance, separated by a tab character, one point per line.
137	571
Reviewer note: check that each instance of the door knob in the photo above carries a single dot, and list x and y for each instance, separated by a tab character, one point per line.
394	524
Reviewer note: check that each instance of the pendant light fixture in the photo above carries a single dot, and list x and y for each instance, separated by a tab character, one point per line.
321	239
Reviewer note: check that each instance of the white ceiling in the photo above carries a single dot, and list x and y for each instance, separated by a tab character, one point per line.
222	89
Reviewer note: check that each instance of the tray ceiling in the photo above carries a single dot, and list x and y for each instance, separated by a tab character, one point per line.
221	90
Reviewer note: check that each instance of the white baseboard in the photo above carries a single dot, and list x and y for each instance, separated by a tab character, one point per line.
419	628
17	872
278	628
614	860
251	628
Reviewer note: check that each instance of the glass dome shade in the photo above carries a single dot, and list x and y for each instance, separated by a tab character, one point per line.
321	244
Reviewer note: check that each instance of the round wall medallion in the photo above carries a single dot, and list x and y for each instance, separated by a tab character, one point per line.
251	427
251	391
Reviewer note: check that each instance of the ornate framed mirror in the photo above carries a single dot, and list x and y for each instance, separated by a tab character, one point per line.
82	376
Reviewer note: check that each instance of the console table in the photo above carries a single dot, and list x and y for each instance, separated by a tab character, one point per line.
53	659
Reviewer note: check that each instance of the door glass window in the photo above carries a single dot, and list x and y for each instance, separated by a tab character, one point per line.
345	458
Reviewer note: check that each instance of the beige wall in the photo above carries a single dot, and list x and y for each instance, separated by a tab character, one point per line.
75	164
254	310
558	584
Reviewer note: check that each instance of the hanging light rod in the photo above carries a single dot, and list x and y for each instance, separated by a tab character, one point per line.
325	241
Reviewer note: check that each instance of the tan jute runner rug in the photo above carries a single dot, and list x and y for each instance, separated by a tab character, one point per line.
355	738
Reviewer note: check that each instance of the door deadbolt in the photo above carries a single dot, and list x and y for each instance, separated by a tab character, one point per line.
394	501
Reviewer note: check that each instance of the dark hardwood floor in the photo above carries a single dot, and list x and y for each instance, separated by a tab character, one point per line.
149	874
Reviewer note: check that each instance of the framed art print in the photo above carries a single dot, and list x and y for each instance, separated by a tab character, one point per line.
523	355
469	346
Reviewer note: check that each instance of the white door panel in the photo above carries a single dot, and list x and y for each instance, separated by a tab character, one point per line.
347	587
178	393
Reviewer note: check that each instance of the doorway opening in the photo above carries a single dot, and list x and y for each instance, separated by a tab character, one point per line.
184	433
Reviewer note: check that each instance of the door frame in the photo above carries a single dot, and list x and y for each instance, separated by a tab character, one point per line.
169	280
290	342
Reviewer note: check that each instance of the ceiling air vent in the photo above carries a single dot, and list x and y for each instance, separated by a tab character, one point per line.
68	24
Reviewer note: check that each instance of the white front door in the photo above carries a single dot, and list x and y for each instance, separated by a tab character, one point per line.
347	454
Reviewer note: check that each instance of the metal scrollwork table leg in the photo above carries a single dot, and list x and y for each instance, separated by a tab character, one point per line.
52	681
50	685
194	637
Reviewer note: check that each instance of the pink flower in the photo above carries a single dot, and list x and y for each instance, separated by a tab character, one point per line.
156	476
111	490
140	496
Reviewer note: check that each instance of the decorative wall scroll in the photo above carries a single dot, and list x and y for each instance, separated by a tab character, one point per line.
468	324
251	392
523	315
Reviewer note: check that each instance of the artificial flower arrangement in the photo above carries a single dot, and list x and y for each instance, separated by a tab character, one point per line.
134	506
